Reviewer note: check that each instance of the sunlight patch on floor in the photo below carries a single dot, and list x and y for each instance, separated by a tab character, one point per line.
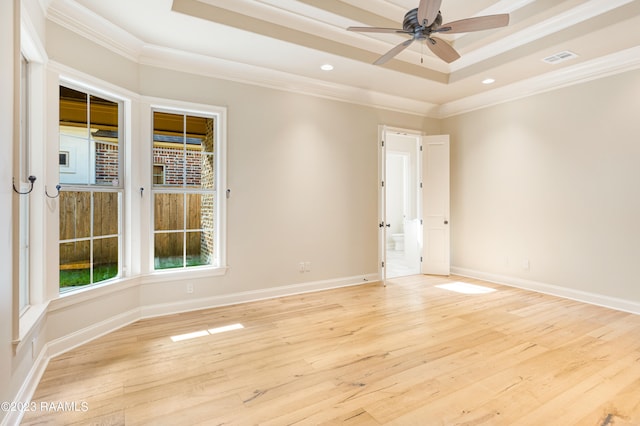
203	333
466	288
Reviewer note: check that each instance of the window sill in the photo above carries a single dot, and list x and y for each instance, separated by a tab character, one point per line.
188	273
82	294
27	324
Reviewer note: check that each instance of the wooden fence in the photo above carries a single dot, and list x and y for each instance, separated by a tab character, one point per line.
75	223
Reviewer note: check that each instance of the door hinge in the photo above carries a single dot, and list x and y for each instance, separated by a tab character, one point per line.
420	221
420	185
383	264
420	258
382	183
420	147
382	142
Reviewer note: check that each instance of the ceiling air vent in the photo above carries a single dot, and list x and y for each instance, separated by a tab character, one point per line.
560	57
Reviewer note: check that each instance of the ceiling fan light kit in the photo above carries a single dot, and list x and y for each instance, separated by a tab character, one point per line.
420	23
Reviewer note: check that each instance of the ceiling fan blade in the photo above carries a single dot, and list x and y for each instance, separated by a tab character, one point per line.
393	52
428	11
475	24
442	49
377	30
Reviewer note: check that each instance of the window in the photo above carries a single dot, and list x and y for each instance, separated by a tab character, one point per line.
91	196
23	173
185	203
63	158
158	174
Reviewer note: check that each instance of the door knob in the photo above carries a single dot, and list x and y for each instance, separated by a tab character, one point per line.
388	225
446	222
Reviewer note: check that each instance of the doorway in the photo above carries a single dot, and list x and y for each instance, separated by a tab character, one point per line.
402	243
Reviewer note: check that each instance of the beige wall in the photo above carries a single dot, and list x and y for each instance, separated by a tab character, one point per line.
553	179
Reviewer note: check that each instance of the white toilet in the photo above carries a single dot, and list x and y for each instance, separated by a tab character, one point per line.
398	241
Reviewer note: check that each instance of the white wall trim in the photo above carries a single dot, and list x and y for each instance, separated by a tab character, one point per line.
254	295
616	63
553	290
92	332
28	388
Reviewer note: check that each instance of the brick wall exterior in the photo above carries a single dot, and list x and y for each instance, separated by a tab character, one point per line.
106	163
208	181
172	158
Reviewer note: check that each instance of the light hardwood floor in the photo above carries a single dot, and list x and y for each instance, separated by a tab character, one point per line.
410	353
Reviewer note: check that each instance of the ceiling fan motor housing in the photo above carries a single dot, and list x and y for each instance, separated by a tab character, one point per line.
411	24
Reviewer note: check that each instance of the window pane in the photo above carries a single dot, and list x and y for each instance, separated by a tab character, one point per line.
195	255
105	259
193	167
169	145
194	214
105	213
73	108
75	264
103	116
74	138
23	152
75	215
169	250
208	180
168	212
200	248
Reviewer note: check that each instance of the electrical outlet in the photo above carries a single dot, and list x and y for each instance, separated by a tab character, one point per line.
189	288
301	266
525	264
307	266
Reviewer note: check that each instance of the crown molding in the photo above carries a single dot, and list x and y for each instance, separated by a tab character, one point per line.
207	66
616	63
82	21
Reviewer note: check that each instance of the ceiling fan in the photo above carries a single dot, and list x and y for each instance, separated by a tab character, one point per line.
420	23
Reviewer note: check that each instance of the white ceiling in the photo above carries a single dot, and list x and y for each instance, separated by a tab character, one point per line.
283	43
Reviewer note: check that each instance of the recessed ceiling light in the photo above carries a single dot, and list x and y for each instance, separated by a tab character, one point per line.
326	67
488	81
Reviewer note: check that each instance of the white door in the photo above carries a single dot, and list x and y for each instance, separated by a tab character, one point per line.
435	205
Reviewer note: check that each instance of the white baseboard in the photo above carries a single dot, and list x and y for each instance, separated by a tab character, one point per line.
70	341
28	388
554	290
252	296
85	335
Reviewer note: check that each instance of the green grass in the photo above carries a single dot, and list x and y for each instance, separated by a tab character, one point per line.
176	262
80	277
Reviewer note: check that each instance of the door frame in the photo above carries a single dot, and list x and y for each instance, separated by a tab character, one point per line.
383	130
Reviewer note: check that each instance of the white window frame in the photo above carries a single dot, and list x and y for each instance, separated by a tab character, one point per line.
92	188
218	266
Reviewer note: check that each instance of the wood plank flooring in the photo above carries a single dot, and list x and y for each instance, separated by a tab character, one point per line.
410	353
